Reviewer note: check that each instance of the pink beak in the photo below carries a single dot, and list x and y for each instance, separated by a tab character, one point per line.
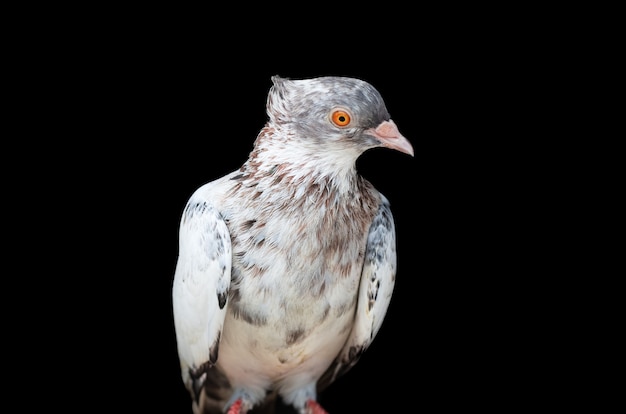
387	133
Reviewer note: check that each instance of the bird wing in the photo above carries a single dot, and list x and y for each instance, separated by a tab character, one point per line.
200	288
375	290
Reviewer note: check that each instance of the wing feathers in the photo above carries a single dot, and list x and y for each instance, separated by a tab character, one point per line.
376	288
200	290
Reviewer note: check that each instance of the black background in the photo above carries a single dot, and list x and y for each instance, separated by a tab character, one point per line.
143	112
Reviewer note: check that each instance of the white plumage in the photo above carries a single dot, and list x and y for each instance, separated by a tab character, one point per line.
287	265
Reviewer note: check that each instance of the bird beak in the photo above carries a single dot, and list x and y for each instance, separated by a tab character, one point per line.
388	135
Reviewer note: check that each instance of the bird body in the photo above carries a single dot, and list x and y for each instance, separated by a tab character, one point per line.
287	265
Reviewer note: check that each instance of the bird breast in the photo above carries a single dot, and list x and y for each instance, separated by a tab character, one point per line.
297	263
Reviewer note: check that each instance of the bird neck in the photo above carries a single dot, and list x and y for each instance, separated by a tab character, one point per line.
281	158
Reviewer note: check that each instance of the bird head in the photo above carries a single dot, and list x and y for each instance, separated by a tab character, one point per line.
334	113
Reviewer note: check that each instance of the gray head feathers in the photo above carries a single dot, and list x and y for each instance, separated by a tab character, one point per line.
289	100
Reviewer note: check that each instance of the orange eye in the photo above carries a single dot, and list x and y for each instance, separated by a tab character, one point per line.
340	117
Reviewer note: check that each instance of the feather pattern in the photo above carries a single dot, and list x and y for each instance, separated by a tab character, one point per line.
287	265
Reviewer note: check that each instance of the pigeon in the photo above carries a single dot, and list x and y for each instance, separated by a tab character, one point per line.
286	266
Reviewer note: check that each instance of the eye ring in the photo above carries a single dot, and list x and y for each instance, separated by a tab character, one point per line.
340	117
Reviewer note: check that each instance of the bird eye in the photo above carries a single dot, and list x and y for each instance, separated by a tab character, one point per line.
340	117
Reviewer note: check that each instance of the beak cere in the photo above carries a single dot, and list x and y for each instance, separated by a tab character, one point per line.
387	129
389	136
